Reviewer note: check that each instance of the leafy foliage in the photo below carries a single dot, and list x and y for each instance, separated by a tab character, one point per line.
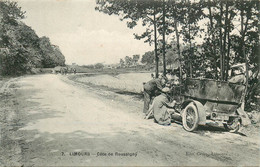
20	47
129	61
228	32
99	66
52	54
148	58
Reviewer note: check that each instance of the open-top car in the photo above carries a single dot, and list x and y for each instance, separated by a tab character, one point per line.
200	100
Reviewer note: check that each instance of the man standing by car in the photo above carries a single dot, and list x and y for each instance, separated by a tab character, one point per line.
238	75
151	89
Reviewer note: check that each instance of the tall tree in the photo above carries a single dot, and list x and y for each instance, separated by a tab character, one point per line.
128	61
148	58
122	63
175	16
136	59
191	15
163	35
148	12
52	55
22	49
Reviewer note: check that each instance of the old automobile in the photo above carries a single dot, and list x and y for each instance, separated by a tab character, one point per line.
202	100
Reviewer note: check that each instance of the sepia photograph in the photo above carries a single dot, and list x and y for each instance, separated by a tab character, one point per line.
129	83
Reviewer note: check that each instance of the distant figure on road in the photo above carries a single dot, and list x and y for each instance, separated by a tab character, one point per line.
162	108
62	71
74	70
151	89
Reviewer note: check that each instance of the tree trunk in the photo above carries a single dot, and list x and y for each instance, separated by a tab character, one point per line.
228	58
220	41
178	47
224	43
155	45
243	32
164	62
228	49
213	41
191	51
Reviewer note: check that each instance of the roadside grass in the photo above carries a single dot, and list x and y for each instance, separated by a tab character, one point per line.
125	82
3	80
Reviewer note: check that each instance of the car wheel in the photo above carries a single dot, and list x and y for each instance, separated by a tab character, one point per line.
190	117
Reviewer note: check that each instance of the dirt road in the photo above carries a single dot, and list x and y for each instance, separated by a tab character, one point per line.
48	120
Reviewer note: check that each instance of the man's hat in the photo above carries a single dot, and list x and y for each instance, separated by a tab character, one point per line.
166	90
239	66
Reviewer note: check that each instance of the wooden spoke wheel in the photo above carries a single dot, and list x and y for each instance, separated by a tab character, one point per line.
190	117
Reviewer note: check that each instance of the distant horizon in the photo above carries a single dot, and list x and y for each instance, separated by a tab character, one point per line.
81	32
101	63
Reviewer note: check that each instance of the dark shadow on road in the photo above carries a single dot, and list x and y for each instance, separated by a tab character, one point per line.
134	95
214	129
138	96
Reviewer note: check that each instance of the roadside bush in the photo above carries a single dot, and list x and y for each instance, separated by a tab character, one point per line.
20	47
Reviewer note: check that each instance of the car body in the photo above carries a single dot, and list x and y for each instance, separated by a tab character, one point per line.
202	99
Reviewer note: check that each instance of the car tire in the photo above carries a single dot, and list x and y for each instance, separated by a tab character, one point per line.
190	117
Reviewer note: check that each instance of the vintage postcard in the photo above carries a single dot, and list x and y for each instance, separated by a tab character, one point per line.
129	83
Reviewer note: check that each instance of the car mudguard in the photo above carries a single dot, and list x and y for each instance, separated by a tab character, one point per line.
201	110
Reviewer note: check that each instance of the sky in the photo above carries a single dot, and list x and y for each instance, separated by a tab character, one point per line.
85	36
